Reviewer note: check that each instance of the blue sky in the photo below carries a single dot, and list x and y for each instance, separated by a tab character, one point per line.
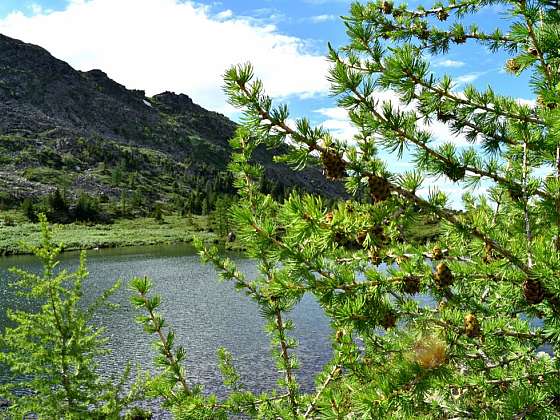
184	46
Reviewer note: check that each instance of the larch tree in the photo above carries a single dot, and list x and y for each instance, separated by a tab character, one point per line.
466	326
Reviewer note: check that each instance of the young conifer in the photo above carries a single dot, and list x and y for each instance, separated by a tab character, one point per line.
51	353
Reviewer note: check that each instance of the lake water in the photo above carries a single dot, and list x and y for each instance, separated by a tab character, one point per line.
204	313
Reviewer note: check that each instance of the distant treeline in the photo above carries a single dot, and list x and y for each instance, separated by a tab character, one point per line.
202	198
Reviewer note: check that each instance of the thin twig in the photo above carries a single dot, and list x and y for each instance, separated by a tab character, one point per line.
313	405
526	207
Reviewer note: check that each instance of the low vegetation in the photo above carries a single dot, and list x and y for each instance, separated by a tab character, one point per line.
123	232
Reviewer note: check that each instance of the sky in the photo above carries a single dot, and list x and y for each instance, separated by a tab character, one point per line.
185	47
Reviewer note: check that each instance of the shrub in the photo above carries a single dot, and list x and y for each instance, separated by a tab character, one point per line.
157	213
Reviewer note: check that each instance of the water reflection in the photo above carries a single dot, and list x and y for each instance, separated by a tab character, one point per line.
205	314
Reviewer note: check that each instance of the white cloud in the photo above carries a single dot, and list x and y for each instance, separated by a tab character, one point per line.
531	103
321	18
543	171
336	113
225	14
449	63
338	123
441	133
467	78
175	45
265	15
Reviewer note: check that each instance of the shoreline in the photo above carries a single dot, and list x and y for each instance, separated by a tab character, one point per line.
144	231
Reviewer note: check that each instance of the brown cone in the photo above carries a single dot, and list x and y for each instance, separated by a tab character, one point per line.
374	257
460	39
533	291
488	253
472	326
379	188
386	7
437	253
442	15
512	66
411	284
335	167
443	276
389	320
541	103
361	237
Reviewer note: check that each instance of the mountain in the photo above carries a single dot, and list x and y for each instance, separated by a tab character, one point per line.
83	132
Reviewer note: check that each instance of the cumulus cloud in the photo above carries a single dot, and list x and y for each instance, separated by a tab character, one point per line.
36	8
531	103
175	45
467	78
441	133
321	18
449	63
337	122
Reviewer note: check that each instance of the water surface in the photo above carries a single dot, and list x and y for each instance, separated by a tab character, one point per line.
204	313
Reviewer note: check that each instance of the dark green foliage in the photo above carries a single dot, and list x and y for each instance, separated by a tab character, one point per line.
123	205
87	208
221	215
29	210
9	221
59	209
57	203
157	213
117	174
204	206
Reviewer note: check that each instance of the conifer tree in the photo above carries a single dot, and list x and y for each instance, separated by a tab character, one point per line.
51	352
455	328
221	214
491	278
28	210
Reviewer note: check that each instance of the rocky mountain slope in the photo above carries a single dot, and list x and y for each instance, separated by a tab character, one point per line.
82	131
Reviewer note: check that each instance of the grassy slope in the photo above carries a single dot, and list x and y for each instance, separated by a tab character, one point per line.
124	232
